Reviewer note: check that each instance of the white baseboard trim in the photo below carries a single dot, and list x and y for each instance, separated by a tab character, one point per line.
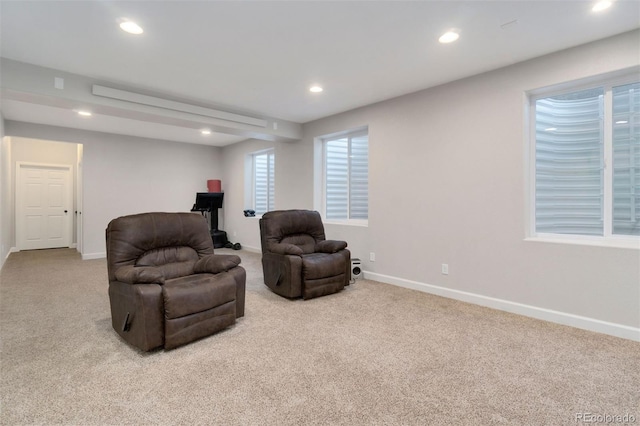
577	321
74	245
11	250
91	256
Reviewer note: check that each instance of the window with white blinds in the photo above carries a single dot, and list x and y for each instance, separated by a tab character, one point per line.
346	177
263	182
587	162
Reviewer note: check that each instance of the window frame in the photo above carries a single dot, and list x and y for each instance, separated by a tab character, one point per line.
269	152
607	82
321	177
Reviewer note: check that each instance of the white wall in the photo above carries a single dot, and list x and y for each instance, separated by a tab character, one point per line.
239	228
5	238
447	185
125	175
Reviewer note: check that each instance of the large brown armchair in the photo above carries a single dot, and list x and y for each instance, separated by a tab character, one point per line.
297	259
166	286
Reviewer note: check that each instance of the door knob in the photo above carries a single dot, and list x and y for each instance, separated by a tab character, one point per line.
65	211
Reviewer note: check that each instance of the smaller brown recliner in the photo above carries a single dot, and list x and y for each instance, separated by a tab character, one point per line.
166	286
297	259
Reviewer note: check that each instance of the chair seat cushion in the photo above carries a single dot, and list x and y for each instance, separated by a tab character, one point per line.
197	293
322	265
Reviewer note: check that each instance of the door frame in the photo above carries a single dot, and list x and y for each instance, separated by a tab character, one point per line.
19	197
79	198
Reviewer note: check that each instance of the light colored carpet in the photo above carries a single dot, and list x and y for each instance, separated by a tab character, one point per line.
372	354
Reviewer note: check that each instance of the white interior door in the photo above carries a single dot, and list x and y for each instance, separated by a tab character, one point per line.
44	200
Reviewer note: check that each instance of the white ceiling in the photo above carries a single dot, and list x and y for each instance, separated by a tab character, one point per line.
260	57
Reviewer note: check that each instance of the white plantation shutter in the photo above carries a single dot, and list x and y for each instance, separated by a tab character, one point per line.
569	164
347	177
359	178
264	176
272	186
337	178
626	159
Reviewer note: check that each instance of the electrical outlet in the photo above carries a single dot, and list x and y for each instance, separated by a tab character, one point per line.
445	269
372	257
235	234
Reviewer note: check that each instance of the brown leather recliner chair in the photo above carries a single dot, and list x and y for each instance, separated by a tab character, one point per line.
297	260
166	286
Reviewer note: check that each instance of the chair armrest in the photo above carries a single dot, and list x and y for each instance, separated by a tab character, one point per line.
216	263
330	246
285	248
131	274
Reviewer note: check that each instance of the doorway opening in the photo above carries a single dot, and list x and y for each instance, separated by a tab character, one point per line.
47	191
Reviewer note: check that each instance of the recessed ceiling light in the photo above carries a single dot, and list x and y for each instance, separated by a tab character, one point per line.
131	27
449	37
601	5
205	131
85	113
316	89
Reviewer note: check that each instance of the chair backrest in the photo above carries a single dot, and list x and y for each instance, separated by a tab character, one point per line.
173	241
302	228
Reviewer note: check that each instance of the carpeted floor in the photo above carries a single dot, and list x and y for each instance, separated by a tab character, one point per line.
372	354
